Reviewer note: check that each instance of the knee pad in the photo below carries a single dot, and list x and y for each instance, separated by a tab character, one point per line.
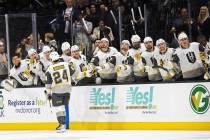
60	110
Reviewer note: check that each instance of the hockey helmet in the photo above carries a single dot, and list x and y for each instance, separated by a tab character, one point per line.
127	42
75	48
159	41
54	56
31	51
46	49
135	39
65	46
182	36
148	39
105	39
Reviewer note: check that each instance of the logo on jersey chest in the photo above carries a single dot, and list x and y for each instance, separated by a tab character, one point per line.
191	57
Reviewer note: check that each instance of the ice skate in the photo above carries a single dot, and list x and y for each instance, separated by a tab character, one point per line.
61	128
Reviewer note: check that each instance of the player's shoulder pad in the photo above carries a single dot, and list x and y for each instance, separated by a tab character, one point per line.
12	71
194	44
113	49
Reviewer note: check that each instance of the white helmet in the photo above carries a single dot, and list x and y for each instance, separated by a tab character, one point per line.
127	42
105	39
46	49
159	41
148	39
75	48
31	51
54	56
65	46
135	38
182	36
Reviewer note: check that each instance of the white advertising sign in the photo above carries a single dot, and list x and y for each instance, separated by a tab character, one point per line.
175	102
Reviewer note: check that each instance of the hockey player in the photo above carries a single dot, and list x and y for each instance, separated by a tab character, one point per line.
36	66
21	72
148	60
135	59
188	57
65	47
163	61
119	62
205	55
82	74
204	43
45	59
58	87
102	57
96	46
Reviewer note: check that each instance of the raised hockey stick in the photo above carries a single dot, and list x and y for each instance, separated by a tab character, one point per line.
133	26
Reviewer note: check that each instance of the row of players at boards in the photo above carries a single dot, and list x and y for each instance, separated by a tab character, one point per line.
135	62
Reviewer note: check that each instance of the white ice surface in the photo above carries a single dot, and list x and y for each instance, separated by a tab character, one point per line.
105	135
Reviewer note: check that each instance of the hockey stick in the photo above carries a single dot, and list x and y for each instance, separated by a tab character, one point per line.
166	70
133	26
175	37
160	67
46	94
141	17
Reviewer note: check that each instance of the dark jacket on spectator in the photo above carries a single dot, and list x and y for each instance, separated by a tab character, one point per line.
60	34
205	28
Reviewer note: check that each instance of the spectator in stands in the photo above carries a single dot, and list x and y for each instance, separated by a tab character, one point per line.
208	4
81	4
29	42
204	22
94	15
21	49
51	42
112	20
181	24
102	31
65	19
82	30
24	46
103	11
3	62
96	1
